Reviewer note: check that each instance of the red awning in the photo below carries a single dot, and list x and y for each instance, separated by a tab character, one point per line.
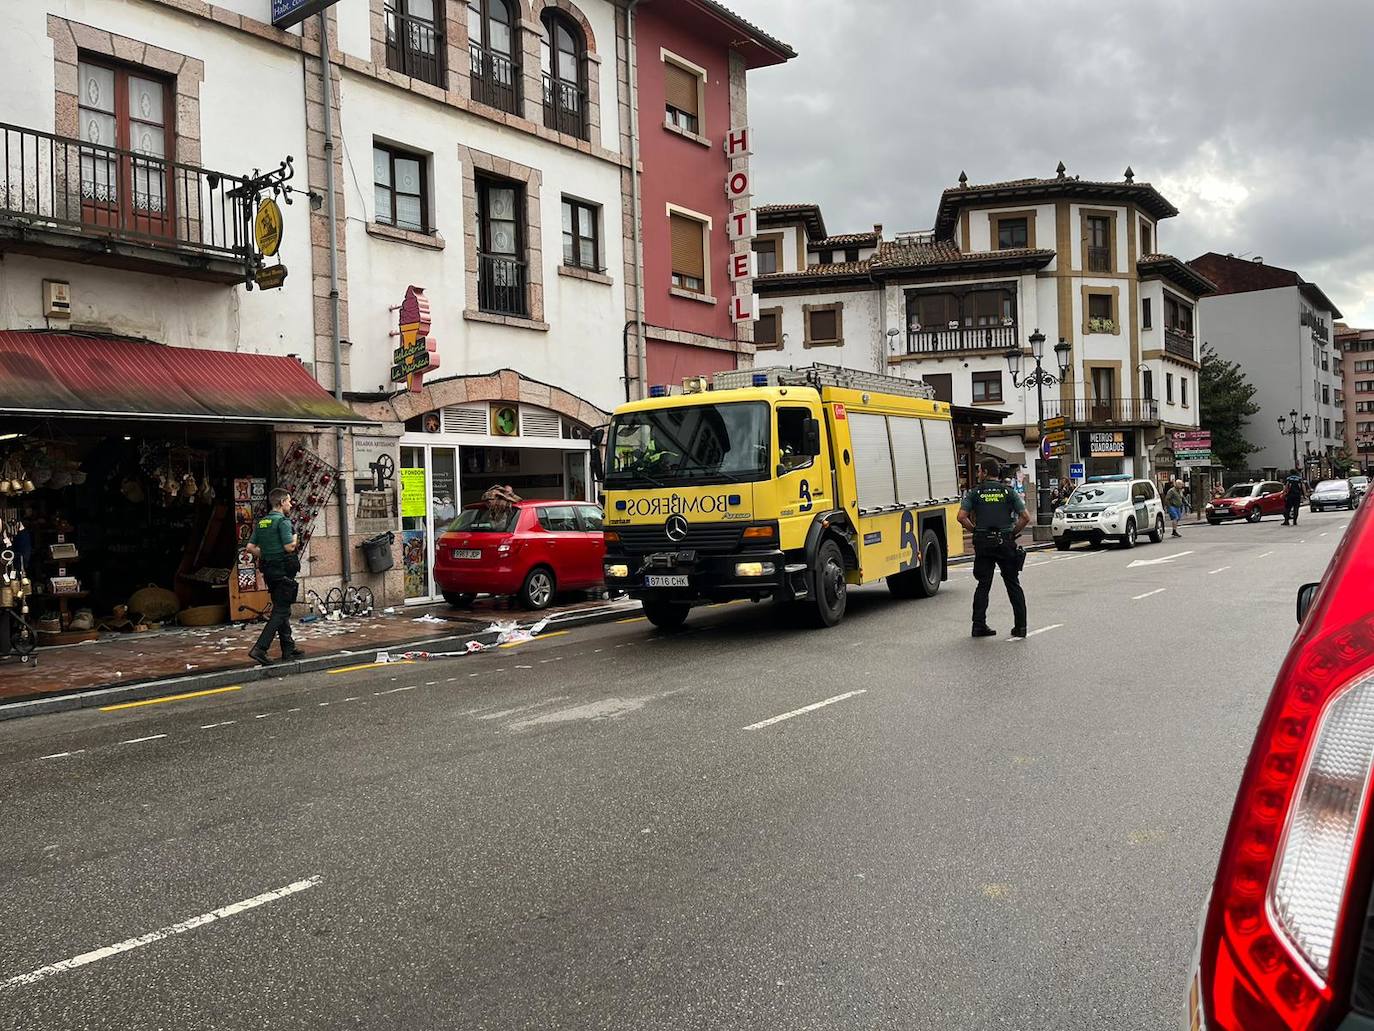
57	374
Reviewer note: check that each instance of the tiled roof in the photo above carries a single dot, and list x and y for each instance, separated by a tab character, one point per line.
763	39
807	213
897	257
1233	275
869	239
826	270
957	197
1176	270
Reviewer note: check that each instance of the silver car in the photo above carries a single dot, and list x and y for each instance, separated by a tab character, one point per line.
1332	494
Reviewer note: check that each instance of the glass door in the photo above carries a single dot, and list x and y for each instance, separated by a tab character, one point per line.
415	537
443	498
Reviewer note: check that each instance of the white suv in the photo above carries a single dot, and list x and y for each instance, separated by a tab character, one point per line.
1116	507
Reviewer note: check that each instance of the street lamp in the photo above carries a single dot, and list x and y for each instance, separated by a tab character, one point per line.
1295	431
1040	379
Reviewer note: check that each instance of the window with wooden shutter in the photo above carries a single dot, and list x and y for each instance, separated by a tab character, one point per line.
766	335
689	258
824	325
682	96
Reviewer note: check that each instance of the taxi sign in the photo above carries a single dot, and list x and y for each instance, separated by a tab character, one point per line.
267	227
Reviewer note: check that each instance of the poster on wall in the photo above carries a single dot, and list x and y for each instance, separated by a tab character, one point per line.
369	451
413	493
415	559
445	497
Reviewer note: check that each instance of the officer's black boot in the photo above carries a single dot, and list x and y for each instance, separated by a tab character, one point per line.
1018	631
984	631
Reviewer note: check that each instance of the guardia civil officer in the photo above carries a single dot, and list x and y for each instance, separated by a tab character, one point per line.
274	545
995	514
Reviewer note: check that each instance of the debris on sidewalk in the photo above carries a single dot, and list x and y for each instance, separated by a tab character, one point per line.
424	656
429	618
512	633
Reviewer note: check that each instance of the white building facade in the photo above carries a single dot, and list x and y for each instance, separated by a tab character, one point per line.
1078	261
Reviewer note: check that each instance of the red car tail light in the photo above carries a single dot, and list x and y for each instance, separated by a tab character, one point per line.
1272	943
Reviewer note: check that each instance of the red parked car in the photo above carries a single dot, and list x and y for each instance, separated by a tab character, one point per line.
1287	939
1248	501
533	551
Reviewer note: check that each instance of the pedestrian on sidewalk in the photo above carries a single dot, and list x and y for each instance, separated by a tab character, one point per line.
274	546
1173	501
995	513
1293	490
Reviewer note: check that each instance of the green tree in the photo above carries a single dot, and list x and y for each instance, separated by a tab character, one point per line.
1227	400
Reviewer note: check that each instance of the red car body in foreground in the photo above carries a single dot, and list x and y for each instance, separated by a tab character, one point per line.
1248	501
532	552
1287	939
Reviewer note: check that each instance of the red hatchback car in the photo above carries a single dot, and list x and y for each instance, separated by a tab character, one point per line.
1248	501
533	551
1287	938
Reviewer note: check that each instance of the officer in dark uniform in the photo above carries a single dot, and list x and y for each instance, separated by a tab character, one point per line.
995	514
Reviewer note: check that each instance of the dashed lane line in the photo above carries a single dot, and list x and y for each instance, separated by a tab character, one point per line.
62	755
1033	633
1214	572
1149	594
221	723
140	740
805	709
170	930
1268	553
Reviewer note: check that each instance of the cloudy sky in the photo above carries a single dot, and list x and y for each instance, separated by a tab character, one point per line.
1254	117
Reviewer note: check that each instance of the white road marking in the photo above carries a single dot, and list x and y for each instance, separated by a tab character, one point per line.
297	709
804	709
430	683
140	740
212	726
162	932
450	680
1213	572
1323	533
262	716
1157	561
62	755
1043	629
396	690
1149	594
350	698
1268	553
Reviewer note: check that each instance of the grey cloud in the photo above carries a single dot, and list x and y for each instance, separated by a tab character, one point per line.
1253	116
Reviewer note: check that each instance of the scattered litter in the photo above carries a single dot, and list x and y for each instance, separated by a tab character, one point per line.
513	633
423	656
428	618
189	666
388	612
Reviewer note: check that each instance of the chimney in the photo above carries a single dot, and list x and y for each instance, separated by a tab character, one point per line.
1257	260
878	229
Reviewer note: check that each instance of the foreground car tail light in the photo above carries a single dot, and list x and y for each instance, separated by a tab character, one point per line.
1272	940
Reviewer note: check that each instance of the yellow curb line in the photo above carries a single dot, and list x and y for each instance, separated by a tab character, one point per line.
170	698
541	637
370	665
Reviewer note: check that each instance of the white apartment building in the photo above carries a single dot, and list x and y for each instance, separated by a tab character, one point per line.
1281	329
1080	261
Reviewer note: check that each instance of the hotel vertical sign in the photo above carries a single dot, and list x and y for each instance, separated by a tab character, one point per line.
741	227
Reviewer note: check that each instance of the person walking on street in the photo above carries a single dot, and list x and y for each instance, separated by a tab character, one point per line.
274	545
995	514
1293	491
1173	501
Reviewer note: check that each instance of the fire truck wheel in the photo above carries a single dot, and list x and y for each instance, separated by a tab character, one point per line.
666	615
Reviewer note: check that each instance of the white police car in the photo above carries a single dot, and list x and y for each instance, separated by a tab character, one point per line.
1118	508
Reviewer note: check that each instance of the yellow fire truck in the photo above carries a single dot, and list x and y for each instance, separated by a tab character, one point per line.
785	483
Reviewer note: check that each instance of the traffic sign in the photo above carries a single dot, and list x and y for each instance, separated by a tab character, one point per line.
1056	423
1057	435
1052	448
1076	471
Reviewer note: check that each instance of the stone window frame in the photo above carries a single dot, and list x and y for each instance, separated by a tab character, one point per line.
474	162
1114	292
777	344
996	218
529	26
1110	214
70	39
808	340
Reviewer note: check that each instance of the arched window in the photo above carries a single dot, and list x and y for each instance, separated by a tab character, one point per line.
493	44
563	61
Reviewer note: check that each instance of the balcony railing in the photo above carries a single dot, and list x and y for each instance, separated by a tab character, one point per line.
565	107
414	47
965	338
501	285
1116	411
495	79
1099	259
1179	343
59	182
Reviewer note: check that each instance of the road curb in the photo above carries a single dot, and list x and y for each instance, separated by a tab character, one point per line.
113	695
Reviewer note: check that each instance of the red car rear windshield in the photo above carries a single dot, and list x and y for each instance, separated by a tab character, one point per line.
481	520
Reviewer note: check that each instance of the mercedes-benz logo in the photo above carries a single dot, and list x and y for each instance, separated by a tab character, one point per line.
676	528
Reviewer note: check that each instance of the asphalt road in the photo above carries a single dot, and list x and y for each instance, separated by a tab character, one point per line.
609	828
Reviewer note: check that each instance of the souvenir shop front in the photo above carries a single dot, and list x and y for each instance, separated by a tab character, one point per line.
451	456
130	473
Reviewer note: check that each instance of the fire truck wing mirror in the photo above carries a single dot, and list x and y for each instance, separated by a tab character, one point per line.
597	437
811	437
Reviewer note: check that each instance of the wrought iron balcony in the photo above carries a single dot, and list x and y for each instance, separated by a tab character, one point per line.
414	47
1179	343
1115	411
565	107
501	285
59	194
495	79
1099	259
930	340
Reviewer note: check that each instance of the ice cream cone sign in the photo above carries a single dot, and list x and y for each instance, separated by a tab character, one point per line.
417	352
